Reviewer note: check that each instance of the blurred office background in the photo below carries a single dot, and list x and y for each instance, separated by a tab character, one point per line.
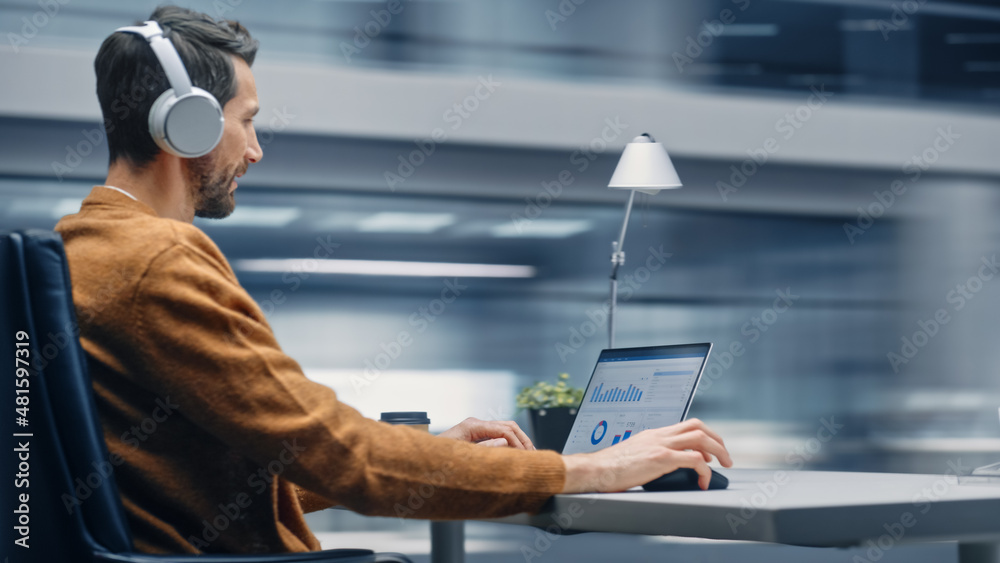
483	134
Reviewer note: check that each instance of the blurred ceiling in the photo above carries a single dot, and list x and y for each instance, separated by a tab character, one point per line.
916	49
837	84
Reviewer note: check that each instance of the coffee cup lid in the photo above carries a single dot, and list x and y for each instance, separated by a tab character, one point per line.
406	417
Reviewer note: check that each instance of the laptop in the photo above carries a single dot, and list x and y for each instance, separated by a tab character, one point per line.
633	389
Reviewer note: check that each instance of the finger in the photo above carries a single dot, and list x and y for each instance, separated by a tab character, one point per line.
682	427
525	441
519	434
704	475
512	439
493	443
703	443
694	461
499	431
481	430
713	446
696	423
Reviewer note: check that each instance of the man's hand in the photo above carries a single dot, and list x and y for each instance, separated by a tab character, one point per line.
646	456
490	433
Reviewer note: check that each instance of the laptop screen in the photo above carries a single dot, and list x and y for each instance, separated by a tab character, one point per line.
633	389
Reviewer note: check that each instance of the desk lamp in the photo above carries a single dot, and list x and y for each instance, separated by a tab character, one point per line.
643	167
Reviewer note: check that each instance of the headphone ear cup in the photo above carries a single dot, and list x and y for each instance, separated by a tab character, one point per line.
158	120
189	126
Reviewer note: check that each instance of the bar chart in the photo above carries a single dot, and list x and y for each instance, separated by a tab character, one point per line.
615	394
621	437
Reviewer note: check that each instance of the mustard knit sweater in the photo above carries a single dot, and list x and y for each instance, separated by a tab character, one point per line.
218	440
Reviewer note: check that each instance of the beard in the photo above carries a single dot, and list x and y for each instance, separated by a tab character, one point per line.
210	188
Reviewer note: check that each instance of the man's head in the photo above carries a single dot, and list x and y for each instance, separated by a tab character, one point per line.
217	56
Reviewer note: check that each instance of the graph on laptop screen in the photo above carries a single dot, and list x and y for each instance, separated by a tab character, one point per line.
633	389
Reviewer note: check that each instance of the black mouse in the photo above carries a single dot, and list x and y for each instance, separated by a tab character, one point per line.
685	479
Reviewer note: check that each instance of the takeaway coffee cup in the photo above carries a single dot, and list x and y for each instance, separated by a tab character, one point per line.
417	419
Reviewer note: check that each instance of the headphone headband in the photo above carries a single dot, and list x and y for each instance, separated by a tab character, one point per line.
185	121
165	52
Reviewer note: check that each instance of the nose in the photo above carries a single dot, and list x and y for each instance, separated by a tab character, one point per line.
254	153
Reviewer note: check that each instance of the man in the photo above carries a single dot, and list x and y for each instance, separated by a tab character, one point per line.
224	443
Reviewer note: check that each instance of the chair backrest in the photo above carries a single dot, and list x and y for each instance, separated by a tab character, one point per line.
72	509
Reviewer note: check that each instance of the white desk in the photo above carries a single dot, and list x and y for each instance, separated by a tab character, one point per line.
805	508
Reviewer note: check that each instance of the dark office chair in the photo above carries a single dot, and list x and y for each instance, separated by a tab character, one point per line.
61	441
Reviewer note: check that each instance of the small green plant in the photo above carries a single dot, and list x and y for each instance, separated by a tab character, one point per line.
544	395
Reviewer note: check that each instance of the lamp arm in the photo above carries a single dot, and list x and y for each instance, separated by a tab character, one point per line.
621	237
617	259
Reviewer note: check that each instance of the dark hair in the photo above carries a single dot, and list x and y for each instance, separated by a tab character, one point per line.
130	78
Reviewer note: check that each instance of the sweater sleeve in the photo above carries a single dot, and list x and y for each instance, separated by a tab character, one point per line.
200	339
310	501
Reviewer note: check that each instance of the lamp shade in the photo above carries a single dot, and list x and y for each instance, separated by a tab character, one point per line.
645	167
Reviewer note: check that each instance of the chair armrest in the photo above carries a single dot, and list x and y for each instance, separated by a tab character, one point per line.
331	555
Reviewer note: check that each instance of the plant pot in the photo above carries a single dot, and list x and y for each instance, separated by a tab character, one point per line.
551	427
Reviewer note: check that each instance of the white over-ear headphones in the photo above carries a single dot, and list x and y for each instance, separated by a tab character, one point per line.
184	121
